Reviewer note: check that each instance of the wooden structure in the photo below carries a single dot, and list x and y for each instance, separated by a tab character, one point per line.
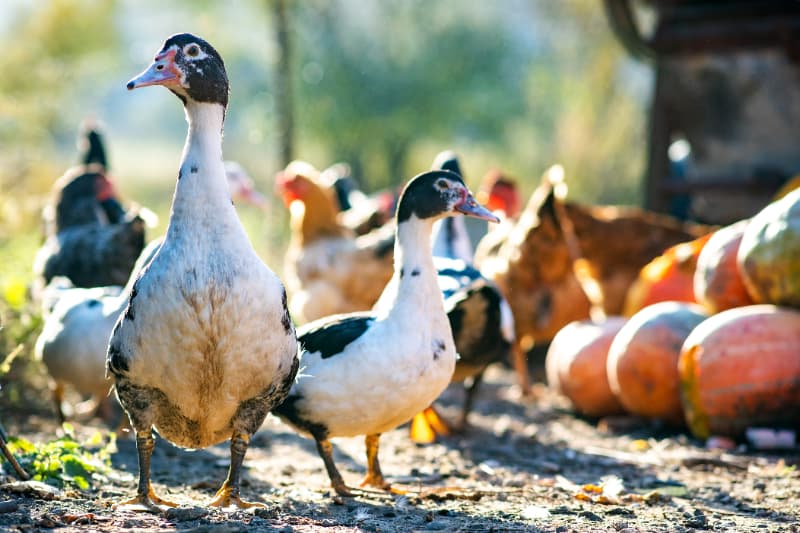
727	82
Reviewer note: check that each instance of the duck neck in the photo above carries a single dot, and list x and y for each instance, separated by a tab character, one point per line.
202	192
414	289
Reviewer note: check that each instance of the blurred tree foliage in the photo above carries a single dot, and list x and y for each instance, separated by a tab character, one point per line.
530	84
52	47
374	79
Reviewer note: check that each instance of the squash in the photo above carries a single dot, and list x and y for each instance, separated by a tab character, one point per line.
576	365
642	361
669	277
718	283
769	255
741	368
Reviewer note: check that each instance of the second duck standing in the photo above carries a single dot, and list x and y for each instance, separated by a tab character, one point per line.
367	373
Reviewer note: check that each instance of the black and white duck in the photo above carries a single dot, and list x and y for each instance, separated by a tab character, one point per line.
205	347
89	237
85	194
367	373
480	318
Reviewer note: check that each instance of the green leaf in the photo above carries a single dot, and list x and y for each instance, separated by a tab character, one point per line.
81	482
74	466
20	445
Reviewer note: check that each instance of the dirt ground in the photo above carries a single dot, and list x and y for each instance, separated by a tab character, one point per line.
523	466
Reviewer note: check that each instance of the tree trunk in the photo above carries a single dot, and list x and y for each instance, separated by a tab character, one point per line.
283	81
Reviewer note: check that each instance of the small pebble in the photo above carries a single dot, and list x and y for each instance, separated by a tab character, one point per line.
270	513
185	514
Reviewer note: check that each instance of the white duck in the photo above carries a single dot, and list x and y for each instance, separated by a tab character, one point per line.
78	322
74	339
367	373
205	347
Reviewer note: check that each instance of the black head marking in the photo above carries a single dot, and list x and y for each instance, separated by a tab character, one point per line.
193	169
447	160
204	76
430	194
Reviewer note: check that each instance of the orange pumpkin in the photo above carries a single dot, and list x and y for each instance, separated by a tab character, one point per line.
576	365
718	283
667	278
643	359
741	368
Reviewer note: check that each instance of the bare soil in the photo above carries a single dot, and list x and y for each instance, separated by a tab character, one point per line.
523	466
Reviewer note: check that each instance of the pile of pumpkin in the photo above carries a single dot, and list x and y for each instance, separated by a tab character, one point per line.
711	336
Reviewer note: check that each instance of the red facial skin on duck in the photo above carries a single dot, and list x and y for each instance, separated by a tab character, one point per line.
469	206
162	71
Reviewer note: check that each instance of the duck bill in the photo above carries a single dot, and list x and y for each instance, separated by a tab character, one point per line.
471	208
161	72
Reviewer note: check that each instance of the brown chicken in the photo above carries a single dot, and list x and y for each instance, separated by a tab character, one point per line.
328	270
562	258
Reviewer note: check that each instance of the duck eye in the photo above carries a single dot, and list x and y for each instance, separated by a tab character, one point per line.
192	50
442	185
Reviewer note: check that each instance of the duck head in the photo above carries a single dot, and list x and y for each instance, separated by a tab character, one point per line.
189	67
447	160
436	194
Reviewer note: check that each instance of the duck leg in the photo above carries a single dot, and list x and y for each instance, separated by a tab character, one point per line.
520	361
58	401
325	450
468	399
427	425
228	494
145	499
374	477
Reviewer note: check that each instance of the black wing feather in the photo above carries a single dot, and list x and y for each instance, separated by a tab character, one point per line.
330	336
